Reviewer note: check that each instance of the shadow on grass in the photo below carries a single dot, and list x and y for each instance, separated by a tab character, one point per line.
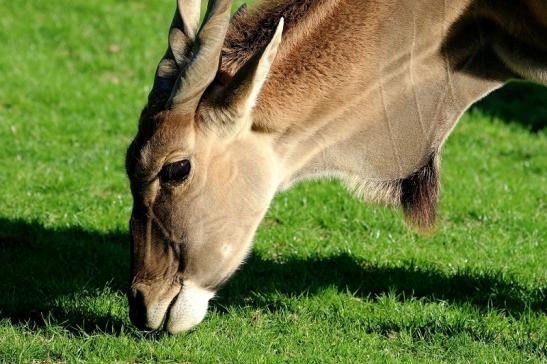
39	266
484	290
517	102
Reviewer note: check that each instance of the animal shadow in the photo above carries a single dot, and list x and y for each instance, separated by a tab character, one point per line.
42	266
484	290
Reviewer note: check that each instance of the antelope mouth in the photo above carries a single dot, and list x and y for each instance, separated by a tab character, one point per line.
149	314
187	309
167	313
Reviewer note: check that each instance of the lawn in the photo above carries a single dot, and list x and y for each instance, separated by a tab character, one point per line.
330	279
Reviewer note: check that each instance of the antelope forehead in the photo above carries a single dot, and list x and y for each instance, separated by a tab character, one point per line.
166	144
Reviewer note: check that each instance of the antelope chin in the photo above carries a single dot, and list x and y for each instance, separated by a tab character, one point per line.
188	309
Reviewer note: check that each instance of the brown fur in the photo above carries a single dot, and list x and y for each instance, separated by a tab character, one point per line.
524	22
250	32
366	91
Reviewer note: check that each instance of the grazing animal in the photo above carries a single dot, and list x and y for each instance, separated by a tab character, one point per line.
244	106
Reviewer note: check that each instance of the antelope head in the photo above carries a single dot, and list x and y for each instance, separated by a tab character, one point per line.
201	179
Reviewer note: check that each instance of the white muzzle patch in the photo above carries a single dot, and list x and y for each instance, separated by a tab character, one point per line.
189	309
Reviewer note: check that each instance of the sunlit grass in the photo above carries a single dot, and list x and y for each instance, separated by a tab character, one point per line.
330	279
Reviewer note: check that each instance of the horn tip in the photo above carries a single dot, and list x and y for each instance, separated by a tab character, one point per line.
280	27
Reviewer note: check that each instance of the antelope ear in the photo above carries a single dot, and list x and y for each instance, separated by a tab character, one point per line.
240	95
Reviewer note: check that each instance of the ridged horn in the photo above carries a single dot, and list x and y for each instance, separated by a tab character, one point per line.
202	68
182	34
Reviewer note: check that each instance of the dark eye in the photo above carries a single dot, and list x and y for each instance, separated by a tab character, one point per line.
175	172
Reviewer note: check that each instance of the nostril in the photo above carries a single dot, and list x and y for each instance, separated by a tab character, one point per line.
138	296
137	308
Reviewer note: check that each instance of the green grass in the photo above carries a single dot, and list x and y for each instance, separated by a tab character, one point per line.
330	279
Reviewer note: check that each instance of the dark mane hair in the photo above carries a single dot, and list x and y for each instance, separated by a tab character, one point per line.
420	195
251	30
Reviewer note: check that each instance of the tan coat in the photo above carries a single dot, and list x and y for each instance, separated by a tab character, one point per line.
363	90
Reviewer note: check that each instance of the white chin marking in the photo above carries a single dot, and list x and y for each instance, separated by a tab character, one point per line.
189	309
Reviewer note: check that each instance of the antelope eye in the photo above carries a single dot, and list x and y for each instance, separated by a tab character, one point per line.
175	172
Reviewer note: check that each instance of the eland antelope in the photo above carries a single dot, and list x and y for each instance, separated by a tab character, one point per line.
244	106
